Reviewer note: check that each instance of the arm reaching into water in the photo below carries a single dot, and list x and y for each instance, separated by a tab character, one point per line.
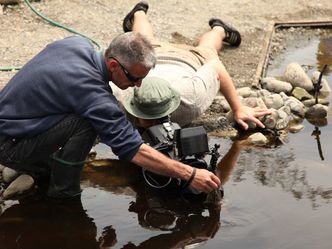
156	162
241	113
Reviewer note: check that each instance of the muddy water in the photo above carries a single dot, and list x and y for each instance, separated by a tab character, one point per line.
276	197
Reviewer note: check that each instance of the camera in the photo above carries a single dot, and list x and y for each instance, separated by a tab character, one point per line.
187	145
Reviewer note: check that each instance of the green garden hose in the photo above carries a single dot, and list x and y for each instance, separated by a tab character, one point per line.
53	23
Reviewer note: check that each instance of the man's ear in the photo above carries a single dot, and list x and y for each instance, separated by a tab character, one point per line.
112	64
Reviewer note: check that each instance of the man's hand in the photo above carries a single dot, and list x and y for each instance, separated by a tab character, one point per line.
246	113
205	181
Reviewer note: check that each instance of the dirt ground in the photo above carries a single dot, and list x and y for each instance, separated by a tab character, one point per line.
23	33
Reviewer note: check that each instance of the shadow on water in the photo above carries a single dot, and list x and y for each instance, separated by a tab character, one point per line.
277	197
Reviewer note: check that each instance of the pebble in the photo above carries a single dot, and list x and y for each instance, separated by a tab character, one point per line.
1	168
257	139
9	174
295	128
19	186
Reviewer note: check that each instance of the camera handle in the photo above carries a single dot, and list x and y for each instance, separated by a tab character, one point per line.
214	158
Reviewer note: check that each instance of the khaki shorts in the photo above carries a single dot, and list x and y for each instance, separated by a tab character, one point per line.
193	56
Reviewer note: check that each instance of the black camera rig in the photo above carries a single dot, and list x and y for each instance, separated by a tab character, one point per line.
187	145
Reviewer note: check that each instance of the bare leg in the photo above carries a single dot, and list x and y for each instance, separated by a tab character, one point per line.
142	25
213	38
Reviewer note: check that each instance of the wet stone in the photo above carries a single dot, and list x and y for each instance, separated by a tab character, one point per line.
19	186
316	111
9	174
311	102
295	128
296	106
301	94
257	139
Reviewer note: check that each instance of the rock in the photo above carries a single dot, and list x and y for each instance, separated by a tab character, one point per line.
318	122
9	174
270	120
325	91
278	119
220	105
92	154
214	123
285	109
276	86
316	111
311	102
274	101
257	139
20	185
301	94
296	106
1	168
263	93
295	75
253	102
244	92
295	128
284	96
283	119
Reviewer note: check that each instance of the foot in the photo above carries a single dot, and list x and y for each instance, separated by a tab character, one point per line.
233	37
128	20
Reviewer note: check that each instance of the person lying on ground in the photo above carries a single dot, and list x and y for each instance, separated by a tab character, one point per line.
196	73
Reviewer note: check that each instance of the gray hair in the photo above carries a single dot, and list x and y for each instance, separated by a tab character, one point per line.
130	49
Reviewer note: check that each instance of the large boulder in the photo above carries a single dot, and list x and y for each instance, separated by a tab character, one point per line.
295	75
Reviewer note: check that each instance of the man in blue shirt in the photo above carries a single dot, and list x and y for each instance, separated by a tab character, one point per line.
55	106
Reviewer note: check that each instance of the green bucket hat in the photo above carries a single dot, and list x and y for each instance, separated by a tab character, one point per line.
153	100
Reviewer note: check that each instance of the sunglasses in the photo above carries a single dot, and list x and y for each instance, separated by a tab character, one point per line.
130	77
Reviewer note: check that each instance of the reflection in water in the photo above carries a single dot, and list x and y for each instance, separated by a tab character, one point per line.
279	167
316	133
42	224
185	218
324	54
182	219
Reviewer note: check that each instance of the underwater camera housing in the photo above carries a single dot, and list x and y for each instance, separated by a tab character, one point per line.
187	145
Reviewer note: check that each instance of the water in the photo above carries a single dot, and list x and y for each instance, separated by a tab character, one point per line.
274	197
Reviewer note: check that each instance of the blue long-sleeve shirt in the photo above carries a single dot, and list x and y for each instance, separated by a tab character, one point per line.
67	77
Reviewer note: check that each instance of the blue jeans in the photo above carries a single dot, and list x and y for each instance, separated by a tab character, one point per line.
69	142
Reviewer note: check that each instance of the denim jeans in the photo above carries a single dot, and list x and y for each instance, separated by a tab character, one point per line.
69	142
